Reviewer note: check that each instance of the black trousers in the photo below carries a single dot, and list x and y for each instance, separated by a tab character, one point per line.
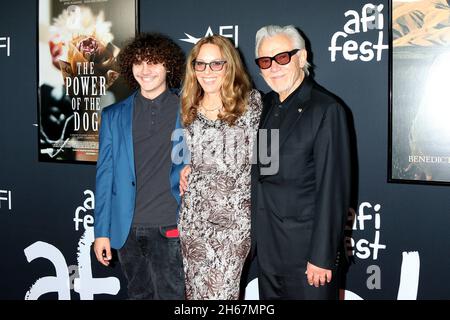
152	264
295	287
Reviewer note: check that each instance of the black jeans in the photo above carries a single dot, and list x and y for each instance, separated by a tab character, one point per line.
152	264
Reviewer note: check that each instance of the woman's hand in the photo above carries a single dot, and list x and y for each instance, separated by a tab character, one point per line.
184	173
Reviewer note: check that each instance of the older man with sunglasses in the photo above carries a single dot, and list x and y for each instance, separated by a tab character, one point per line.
299	213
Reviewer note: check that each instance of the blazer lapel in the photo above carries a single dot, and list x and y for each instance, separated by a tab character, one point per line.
266	111
295	112
127	124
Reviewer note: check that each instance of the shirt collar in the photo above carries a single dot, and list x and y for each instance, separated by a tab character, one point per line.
292	96
159	100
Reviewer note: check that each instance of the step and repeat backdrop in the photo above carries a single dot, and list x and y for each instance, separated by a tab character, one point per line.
397	236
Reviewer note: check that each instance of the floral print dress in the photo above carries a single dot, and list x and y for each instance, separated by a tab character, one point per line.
214	220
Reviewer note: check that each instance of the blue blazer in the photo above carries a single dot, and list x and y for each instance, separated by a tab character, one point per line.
115	190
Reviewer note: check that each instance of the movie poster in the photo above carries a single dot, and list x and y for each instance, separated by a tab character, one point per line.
420	105
78	75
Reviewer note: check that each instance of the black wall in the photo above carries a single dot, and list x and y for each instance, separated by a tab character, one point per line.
45	196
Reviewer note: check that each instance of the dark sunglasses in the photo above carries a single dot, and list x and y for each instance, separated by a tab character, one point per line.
213	65
282	58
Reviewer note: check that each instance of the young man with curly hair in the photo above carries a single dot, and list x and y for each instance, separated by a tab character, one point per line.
136	183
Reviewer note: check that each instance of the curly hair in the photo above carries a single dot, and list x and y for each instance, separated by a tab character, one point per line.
154	48
235	88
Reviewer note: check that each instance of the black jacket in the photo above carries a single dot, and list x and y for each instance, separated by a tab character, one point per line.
299	214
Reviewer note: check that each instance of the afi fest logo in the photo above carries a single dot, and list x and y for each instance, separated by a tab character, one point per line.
231	32
76	277
370	216
370	21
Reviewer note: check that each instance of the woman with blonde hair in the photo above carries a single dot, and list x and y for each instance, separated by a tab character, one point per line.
220	113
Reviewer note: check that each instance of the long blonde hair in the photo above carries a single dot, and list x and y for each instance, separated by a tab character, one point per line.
235	87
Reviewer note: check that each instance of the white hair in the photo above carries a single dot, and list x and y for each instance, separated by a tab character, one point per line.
290	31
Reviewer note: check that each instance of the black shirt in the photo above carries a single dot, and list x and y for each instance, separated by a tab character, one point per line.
279	109
153	123
277	113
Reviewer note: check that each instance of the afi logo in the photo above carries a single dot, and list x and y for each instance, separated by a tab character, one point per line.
5	196
5	43
226	31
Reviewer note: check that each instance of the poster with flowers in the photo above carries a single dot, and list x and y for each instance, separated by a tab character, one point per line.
78	75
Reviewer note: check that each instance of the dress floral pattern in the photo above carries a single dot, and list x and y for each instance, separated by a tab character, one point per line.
215	211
